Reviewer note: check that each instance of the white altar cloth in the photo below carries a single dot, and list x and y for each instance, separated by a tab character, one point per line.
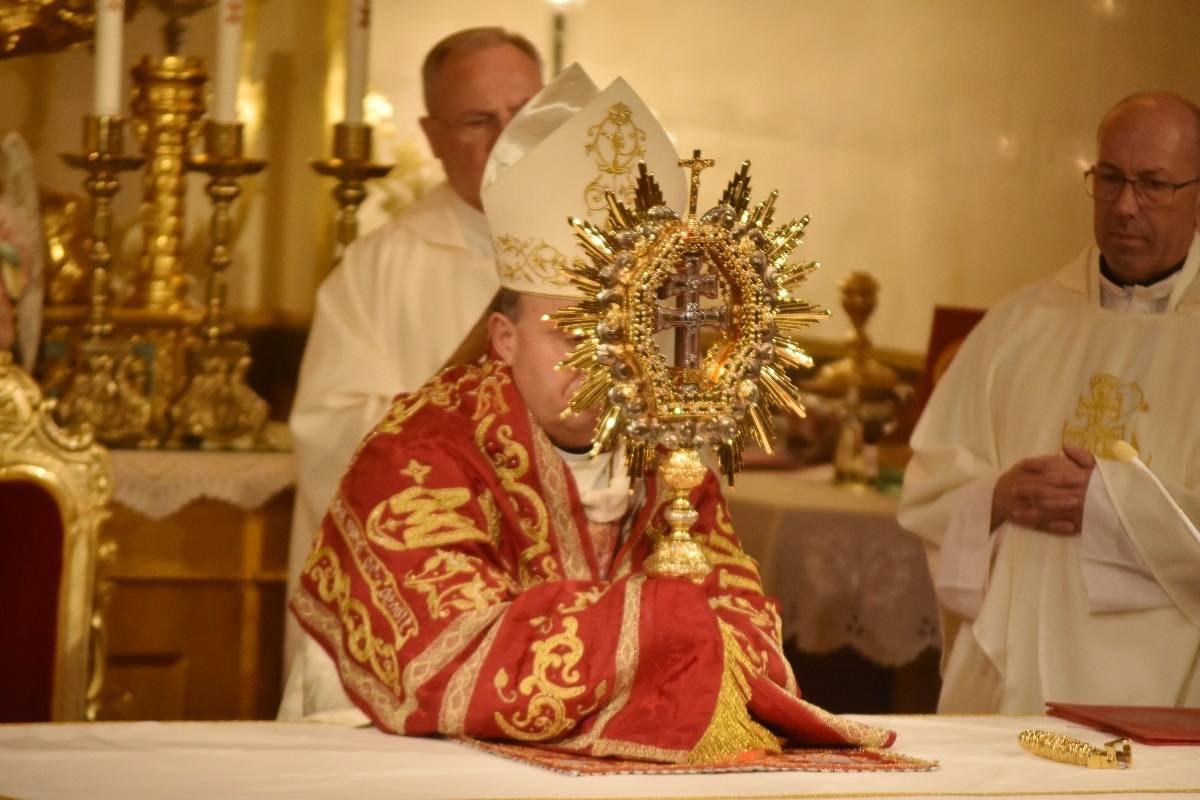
157	483
979	756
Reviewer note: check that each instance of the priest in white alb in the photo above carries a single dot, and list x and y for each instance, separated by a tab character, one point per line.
1067	574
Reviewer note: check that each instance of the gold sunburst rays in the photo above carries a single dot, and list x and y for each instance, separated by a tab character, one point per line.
651	269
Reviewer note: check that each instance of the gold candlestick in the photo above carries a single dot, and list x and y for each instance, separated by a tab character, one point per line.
352	166
106	389
218	409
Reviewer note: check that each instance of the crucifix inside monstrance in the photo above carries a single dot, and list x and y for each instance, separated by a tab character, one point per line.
687	318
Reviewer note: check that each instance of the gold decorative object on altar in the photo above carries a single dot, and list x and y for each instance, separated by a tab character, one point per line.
352	166
1116	754
46	26
858	388
145	364
218	409
727	269
105	387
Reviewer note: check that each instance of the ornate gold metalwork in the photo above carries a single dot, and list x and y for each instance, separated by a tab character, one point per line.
106	388
167	101
727	269
677	554
352	166
217	409
1116	754
615	144
46	26
859	388
78	474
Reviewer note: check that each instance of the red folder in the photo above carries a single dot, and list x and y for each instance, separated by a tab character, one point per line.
1145	724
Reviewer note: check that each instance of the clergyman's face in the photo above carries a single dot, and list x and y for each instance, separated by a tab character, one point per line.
1147	142
533	346
475	95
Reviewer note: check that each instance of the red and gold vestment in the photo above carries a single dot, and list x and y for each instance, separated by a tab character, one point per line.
460	589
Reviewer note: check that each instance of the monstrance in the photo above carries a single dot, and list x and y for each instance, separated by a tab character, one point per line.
650	270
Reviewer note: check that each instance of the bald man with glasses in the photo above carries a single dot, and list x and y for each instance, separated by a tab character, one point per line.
389	316
1066	573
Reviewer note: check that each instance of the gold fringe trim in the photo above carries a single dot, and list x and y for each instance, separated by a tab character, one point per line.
732	730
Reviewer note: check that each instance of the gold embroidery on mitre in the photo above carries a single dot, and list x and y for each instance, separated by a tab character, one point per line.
454	582
1104	415
421	517
552	681
530	261
614	144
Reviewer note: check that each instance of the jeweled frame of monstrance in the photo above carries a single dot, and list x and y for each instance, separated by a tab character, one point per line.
651	269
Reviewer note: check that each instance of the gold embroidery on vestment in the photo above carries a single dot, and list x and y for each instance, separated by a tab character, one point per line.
511	463
333	586
433	658
454	582
359	682
552	474
553	680
1104	415
416	471
420	517
452	718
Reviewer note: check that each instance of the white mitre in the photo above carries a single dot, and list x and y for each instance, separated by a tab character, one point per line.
557	157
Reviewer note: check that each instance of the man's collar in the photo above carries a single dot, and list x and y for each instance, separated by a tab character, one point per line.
1108	273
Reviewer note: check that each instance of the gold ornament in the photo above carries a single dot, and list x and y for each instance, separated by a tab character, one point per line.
1117	754
727	270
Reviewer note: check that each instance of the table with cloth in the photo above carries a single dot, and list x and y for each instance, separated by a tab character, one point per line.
977	756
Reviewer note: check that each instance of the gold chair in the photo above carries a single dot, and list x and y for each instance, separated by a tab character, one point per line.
54	492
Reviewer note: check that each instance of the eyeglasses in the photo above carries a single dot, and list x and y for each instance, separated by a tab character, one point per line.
474	126
1107	185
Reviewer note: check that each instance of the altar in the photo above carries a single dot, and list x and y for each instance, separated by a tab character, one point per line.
978	756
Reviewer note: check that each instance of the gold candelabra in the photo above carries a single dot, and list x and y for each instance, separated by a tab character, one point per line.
106	387
217	409
352	166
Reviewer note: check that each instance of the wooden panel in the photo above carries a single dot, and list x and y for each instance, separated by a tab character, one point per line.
196	619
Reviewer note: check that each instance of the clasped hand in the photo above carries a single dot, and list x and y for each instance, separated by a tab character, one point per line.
1045	493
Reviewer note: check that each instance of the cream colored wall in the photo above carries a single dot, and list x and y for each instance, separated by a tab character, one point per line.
936	143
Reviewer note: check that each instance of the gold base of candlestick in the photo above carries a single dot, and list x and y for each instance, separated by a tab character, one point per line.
218	411
677	555
352	166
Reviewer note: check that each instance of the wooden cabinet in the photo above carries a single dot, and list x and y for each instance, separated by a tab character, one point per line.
195	620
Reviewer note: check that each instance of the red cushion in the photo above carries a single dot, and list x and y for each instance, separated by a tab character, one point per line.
31	553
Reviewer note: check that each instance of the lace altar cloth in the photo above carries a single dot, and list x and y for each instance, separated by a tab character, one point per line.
157	483
795	759
843	570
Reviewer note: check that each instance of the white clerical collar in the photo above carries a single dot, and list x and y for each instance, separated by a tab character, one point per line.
1150	299
476	234
602	483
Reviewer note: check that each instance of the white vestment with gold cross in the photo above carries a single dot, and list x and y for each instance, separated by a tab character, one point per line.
1109	616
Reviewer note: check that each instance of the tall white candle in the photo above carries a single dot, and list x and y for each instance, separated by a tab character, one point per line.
230	14
106	92
358	34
